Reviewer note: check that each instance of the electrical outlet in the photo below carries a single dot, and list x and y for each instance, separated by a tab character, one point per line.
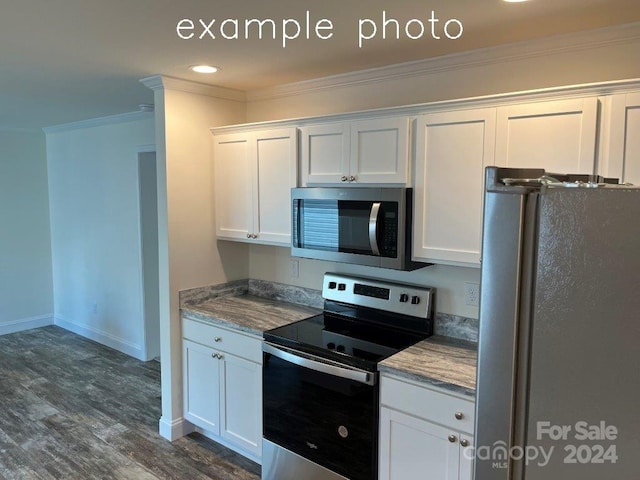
295	269
472	294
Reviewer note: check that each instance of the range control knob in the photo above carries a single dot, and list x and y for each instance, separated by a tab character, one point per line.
331	346
342	286
340	348
332	285
415	300
404	297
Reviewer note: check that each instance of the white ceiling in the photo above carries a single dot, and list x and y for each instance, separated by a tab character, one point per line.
68	60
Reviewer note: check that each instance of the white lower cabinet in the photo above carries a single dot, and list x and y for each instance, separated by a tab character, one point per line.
222	385
424	433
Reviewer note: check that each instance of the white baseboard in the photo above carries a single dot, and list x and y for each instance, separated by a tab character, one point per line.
13	326
175	429
102	337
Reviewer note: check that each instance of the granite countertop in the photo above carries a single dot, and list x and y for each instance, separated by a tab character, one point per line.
438	361
248	313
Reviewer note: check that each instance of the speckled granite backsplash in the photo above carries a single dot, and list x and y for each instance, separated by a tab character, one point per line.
456	327
446	325
260	288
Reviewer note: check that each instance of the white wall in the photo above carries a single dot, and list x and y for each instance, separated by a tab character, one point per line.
95	229
274	264
26	296
190	256
533	65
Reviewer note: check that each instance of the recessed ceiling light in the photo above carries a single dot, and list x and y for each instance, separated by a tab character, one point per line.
204	69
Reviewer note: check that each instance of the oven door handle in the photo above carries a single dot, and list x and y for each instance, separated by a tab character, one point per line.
373	228
320	365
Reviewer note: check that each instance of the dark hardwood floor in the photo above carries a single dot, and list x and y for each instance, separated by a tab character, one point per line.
71	408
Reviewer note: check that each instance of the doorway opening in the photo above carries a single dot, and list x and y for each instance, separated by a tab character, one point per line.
148	201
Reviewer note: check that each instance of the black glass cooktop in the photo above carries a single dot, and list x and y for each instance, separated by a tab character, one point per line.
346	340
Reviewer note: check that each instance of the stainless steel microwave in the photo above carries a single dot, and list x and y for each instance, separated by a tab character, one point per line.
365	226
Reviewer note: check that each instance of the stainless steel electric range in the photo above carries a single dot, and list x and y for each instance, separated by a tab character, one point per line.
320	378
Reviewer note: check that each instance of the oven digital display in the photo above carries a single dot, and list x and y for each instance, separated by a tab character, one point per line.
370	291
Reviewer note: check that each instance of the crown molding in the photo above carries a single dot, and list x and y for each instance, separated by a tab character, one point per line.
553	45
164	82
98	122
565	92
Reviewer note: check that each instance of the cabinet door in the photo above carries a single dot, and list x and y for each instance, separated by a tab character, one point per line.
466	457
325	153
380	150
241	408
623	158
201	377
414	449
559	136
233	189
275	174
452	150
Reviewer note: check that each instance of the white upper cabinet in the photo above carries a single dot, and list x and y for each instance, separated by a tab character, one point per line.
452	151
380	150
325	153
254	174
559	136
275	173
233	186
368	151
622	158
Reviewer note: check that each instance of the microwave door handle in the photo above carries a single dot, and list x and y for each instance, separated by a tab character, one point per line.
373	228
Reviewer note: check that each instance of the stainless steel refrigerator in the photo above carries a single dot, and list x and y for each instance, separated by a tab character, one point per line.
558	385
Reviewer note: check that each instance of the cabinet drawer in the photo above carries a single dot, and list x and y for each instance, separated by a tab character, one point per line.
428	404
223	339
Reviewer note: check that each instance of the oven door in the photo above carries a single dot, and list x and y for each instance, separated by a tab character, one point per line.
322	411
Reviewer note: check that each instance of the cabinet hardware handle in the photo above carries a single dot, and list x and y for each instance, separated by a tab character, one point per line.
248	235
214	355
459	416
452	438
220	356
255	235
352	178
464	443
343	178
217	339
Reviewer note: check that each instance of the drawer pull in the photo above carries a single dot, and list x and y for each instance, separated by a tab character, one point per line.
452	438
219	339
459	415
